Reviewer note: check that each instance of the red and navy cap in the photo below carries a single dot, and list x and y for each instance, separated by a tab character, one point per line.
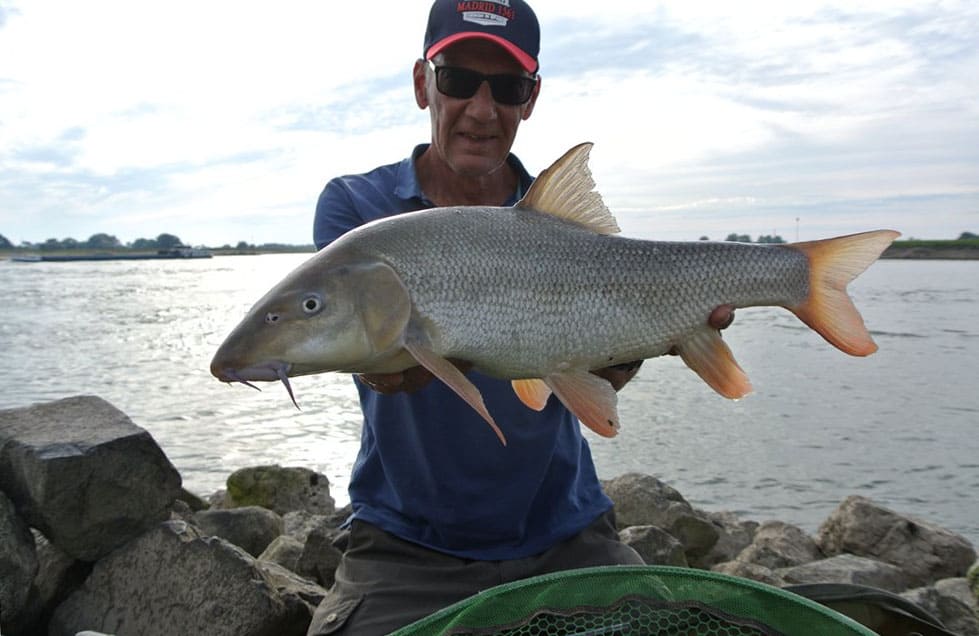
509	23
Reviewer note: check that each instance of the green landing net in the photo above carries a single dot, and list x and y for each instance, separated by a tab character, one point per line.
634	601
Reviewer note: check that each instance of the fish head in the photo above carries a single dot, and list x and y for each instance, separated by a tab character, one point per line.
323	316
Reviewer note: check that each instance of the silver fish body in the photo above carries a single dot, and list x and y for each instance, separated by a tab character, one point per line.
540	293
522	294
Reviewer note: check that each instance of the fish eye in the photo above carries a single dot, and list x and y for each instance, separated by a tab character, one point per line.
312	304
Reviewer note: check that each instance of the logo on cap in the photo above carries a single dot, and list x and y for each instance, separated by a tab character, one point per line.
491	13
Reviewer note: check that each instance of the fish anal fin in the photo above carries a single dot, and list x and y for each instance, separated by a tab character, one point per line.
566	190
532	392
591	398
710	358
455	380
828	309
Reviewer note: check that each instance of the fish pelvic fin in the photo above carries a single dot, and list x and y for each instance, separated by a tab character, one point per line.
828	309
709	356
455	380
591	398
566	190
532	392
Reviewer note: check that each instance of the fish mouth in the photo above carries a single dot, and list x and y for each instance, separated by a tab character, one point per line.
266	372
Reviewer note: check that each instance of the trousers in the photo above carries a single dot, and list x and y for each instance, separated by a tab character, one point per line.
384	583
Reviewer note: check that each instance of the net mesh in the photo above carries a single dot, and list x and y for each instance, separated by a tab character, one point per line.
635	600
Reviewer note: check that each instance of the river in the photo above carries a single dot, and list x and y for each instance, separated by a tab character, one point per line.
900	427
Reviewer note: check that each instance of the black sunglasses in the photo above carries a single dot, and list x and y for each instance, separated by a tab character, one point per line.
462	83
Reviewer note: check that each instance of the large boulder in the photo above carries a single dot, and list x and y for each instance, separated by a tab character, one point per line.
251	528
173	580
777	544
643	500
82	473
18	563
280	489
846	568
924	551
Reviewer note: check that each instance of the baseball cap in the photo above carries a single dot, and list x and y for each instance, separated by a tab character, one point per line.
509	23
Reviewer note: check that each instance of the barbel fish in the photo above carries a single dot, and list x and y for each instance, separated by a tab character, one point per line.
540	293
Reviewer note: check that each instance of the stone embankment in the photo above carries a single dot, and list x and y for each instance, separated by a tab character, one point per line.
97	534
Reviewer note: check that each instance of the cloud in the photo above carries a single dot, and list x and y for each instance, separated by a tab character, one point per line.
222	120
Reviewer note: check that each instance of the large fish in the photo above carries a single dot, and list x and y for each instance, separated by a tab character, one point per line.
539	293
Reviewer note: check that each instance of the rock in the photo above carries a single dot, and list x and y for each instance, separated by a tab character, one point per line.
846	568
746	570
643	500
172	580
251	528
82	473
733	536
320	556
300	595
655	546
192	501
285	551
948	601
924	551
780	545
18	563
299	523
280	489
57	576
957	588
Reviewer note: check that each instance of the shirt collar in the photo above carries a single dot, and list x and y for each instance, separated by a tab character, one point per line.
408	186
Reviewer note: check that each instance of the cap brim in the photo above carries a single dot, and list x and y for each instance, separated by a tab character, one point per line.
528	63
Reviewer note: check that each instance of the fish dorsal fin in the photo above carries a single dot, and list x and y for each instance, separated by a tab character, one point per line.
566	190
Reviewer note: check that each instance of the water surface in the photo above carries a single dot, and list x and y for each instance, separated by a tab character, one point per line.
899	427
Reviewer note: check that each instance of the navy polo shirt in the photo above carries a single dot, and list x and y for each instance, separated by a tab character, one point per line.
430	470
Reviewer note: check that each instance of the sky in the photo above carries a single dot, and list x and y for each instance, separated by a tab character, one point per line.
222	121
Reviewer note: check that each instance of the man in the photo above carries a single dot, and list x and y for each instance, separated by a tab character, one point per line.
441	510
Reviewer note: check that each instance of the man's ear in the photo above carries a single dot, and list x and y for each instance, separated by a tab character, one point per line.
418	78
528	108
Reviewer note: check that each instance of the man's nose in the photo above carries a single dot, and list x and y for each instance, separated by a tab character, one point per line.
482	105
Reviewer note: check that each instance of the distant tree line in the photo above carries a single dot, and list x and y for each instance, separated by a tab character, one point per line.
744	238
100	241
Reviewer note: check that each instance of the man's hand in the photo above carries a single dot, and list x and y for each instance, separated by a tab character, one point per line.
409	380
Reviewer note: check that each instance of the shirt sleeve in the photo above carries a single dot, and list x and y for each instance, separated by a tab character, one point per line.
336	213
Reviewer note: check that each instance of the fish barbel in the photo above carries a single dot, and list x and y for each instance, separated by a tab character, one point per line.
540	293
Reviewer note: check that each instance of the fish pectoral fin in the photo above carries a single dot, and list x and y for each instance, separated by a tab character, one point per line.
455	380
384	304
591	398
707	354
532	392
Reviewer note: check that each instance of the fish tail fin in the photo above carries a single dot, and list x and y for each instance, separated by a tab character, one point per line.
828	309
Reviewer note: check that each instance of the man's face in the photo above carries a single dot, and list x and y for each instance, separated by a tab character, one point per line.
472	136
